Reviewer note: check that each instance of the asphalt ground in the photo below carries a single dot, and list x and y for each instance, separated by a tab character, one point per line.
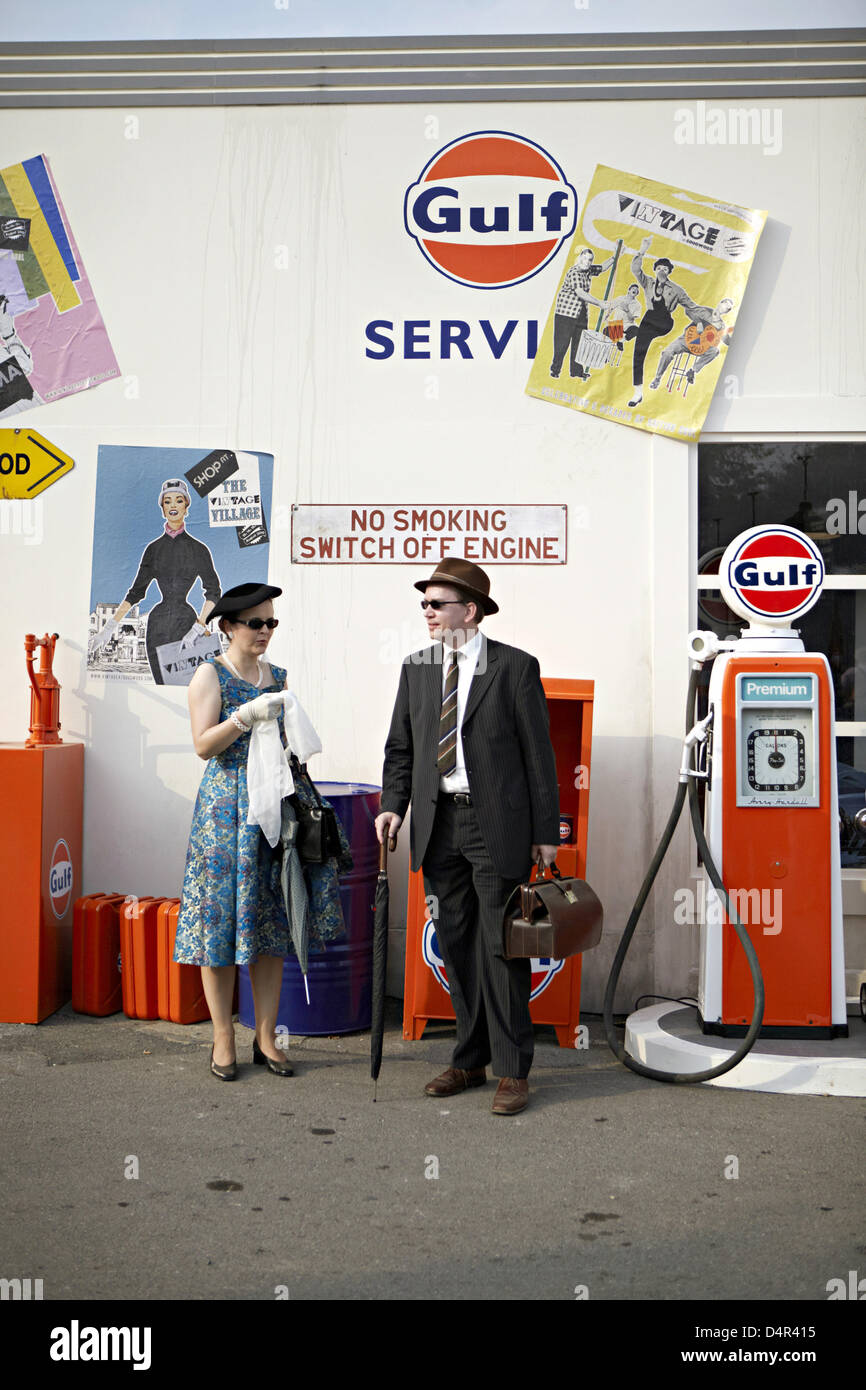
130	1173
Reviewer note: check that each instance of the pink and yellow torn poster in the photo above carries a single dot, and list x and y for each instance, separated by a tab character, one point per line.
53	341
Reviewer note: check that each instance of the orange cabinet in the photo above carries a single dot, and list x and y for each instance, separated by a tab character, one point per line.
40	869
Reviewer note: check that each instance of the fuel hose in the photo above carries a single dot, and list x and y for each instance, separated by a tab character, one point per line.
684	1078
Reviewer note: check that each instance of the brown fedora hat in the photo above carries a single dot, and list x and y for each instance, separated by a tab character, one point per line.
462	574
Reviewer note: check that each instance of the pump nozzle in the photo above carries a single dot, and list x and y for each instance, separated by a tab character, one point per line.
698	734
705	646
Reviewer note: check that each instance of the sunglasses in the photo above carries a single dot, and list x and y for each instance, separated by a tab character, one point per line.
258	623
437	603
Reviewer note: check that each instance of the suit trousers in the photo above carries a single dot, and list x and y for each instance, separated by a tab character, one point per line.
490	994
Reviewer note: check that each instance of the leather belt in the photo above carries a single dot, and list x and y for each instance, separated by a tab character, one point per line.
457	798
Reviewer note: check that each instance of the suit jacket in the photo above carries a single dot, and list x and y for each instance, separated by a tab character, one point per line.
673	295
509	758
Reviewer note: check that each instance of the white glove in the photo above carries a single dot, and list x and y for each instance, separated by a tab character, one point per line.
189	639
102	638
261	708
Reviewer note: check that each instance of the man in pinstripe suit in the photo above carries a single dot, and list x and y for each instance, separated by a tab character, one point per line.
469	746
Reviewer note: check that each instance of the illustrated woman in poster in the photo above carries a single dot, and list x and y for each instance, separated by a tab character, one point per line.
174	561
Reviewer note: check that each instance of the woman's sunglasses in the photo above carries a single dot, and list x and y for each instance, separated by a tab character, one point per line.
258	623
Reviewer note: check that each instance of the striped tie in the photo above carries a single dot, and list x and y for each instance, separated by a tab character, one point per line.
446	761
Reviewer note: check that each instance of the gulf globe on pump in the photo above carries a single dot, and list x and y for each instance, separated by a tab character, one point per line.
490	209
771	574
60	879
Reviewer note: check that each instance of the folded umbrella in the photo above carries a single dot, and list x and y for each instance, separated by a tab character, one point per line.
295	890
380	959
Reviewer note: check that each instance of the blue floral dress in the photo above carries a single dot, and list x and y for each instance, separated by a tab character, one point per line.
232	907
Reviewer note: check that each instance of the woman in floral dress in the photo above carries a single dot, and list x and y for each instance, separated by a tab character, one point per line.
232	911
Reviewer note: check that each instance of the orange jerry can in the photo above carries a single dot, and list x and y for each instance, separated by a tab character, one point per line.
180	991
139	959
97	986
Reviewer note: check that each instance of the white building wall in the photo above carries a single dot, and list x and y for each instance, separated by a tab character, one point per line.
237	255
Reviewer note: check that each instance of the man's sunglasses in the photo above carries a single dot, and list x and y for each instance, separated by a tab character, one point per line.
437	603
258	623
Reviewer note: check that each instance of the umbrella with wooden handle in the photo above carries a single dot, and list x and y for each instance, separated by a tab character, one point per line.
380	958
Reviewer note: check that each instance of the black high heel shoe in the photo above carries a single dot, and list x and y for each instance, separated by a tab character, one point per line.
228	1073
278	1068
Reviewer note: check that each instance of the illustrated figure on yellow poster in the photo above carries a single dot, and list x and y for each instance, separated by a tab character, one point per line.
570	311
703	340
690	265
622	315
662	298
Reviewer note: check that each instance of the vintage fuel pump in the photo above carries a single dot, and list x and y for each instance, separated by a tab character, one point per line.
769	839
45	694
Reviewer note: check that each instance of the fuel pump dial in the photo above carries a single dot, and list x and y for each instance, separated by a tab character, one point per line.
776	759
777	753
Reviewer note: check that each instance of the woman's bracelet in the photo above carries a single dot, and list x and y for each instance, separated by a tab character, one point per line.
239	723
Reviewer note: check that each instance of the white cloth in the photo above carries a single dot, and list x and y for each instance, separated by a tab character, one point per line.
470	654
269	777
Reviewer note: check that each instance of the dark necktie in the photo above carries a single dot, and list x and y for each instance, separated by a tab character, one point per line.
446	761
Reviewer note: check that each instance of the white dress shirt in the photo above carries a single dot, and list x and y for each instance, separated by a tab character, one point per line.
467	663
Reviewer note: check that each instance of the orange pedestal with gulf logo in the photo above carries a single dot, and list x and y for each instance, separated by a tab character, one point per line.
40	869
555	998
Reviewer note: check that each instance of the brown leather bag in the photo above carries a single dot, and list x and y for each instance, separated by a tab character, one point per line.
553	916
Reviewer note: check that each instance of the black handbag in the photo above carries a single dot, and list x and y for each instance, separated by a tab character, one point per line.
318	837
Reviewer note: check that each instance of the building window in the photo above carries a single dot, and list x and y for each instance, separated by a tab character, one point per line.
819	487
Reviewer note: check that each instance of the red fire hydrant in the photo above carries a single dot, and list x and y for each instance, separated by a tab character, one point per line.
45	695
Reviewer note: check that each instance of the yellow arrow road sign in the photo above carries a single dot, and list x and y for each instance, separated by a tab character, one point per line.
29	463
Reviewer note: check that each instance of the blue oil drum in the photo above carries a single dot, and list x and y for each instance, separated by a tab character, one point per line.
340	976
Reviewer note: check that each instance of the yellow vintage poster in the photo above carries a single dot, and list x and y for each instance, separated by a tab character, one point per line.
647	304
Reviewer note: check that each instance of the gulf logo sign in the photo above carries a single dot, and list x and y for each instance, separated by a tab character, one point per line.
490	209
771	574
543	969
60	879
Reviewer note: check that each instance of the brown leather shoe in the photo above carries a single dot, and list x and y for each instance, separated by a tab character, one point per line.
454	1080
512	1096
